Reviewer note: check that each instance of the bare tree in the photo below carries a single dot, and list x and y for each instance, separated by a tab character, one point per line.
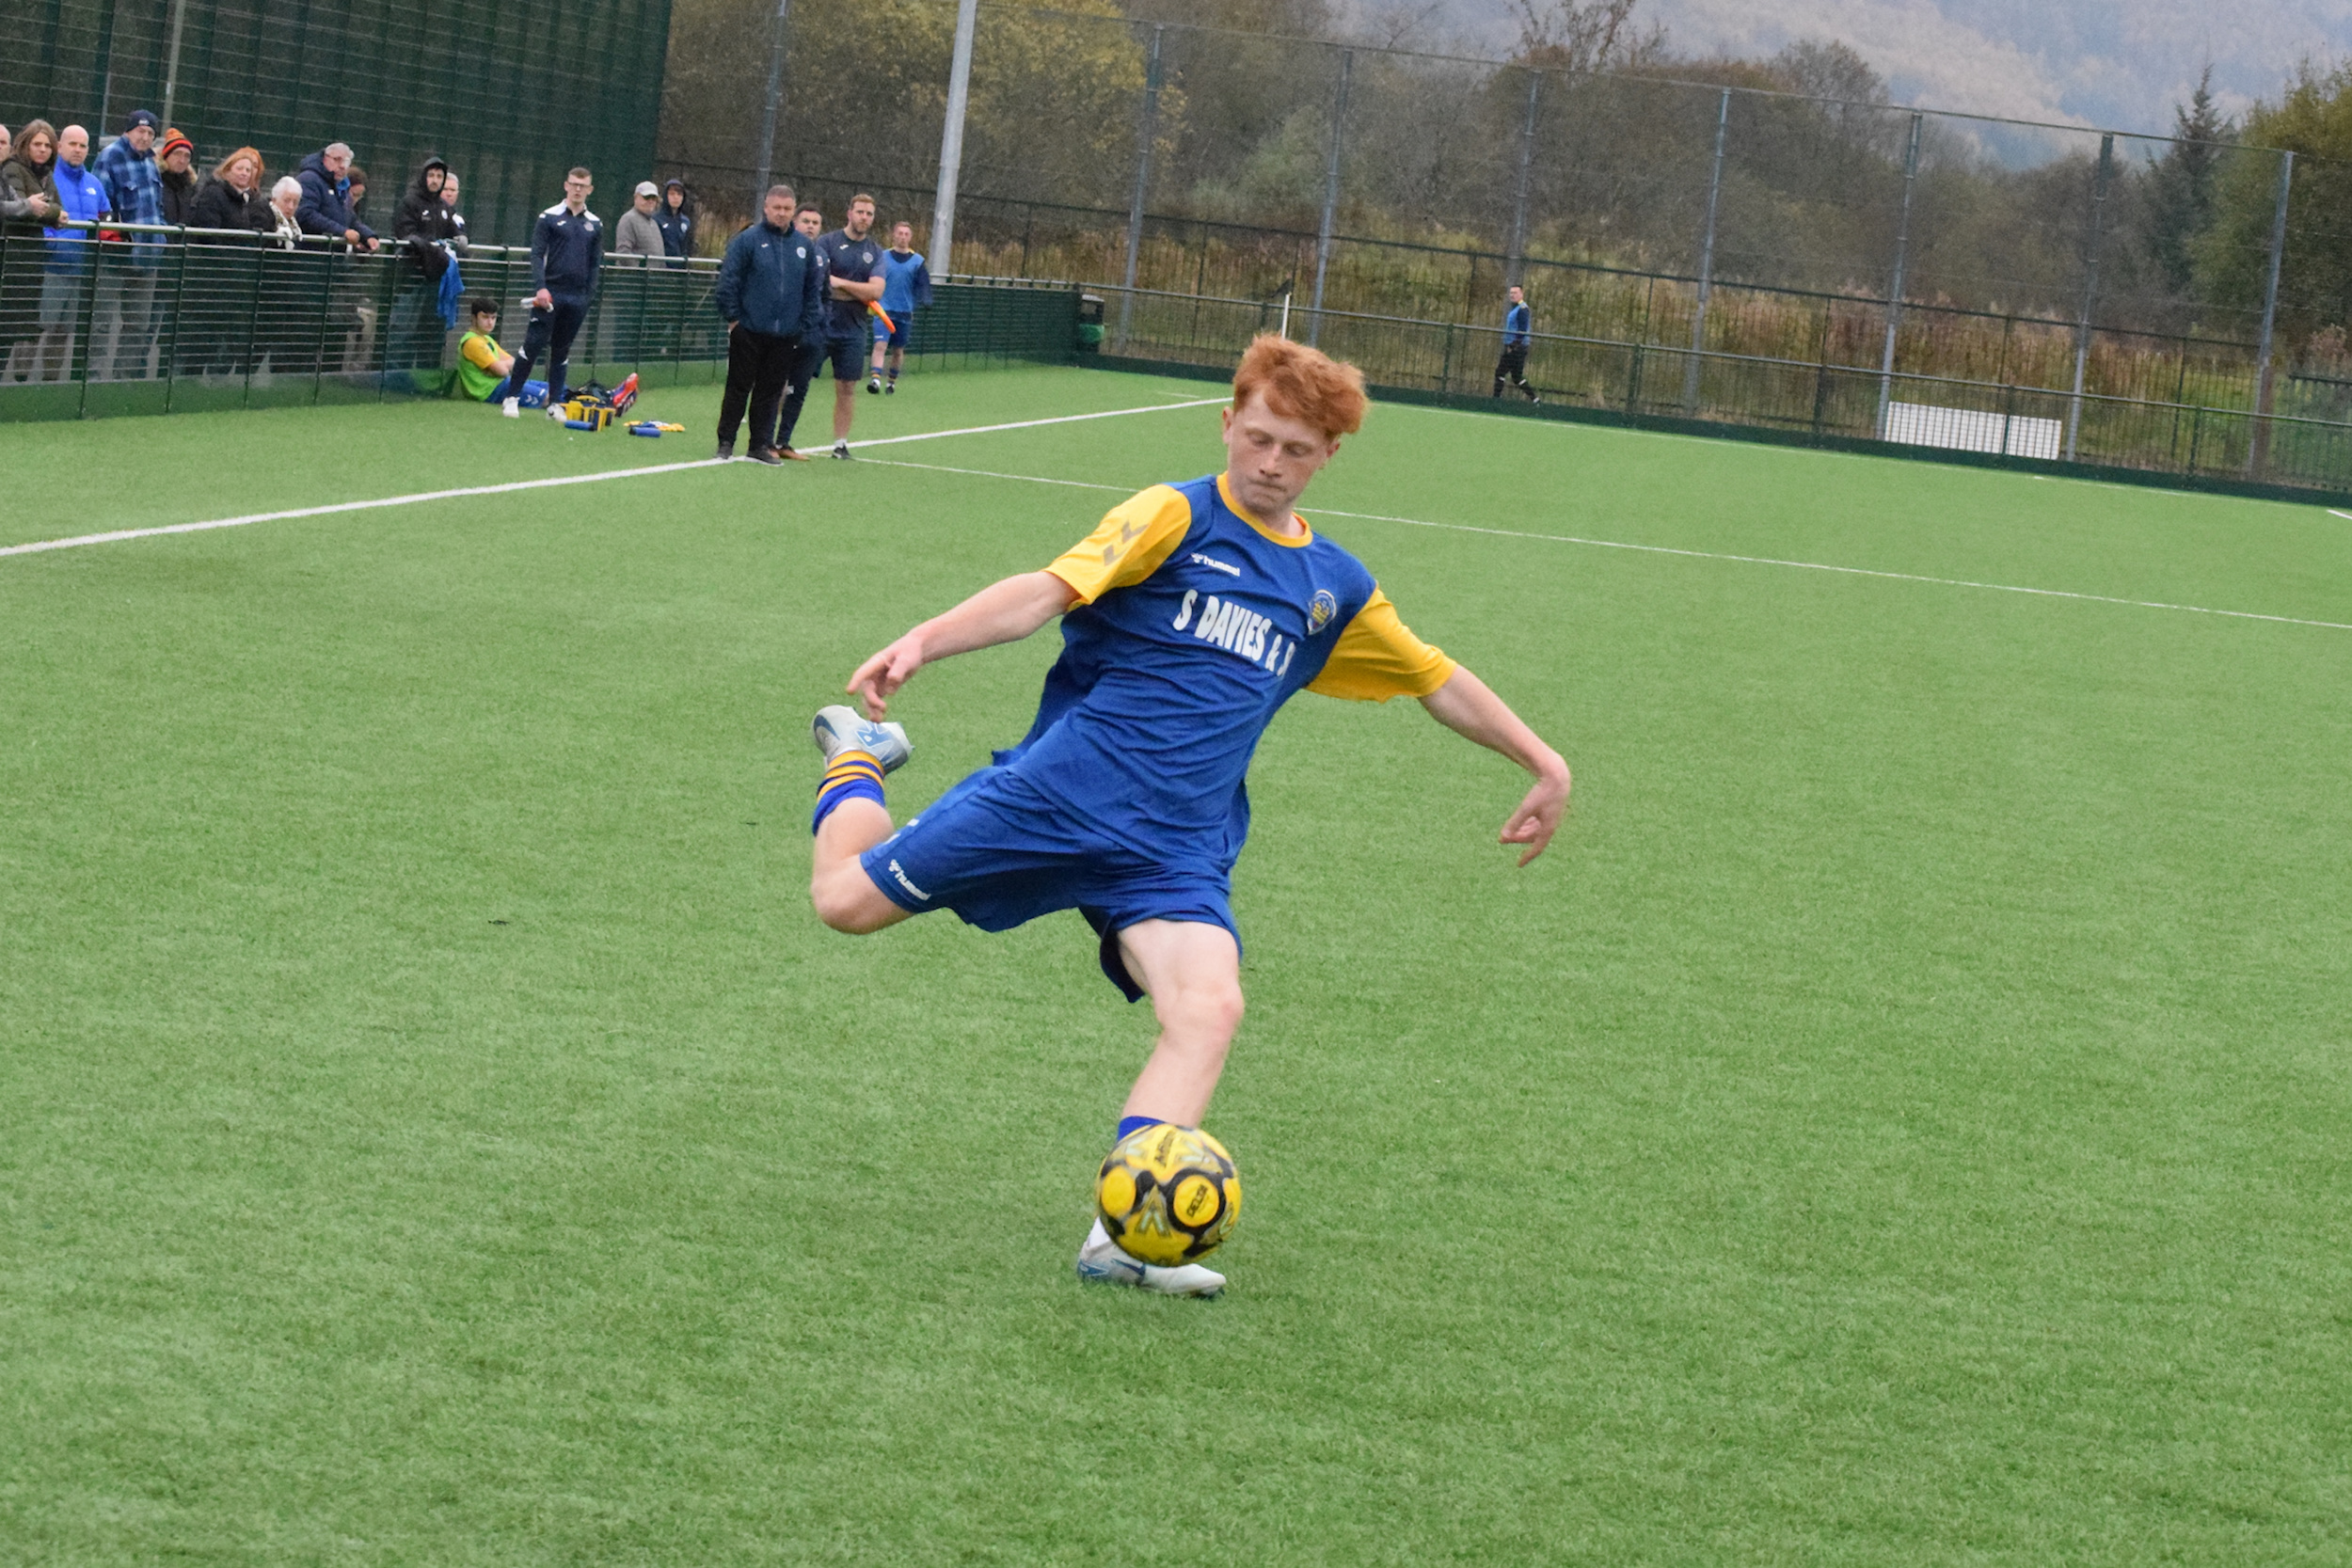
1584	35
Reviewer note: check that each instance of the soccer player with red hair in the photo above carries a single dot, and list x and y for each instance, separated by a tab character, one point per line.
1189	616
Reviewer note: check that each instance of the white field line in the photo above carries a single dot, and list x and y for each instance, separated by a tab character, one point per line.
1714	555
2333	513
117	535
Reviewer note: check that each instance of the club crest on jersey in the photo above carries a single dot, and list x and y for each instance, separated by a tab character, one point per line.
1320	609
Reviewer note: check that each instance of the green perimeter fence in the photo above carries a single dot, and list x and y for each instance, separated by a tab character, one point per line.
92	327
1815	399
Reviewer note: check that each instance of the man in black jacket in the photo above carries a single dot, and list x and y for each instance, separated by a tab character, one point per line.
566	248
771	291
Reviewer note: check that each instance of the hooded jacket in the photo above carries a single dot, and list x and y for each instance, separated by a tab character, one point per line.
179	193
425	223
326	203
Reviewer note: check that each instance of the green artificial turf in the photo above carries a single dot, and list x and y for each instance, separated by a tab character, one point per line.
1904	1118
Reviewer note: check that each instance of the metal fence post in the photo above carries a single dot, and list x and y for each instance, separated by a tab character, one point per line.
2091	290
774	102
1330	194
951	141
2258	450
172	333
89	312
1902	259
1147	127
1706	260
1519	198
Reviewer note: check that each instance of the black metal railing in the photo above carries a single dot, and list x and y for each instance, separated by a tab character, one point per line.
169	321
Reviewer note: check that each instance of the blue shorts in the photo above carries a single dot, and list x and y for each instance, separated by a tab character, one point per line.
1000	854
900	332
848	356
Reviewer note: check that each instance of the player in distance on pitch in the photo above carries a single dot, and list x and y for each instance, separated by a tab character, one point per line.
1189	616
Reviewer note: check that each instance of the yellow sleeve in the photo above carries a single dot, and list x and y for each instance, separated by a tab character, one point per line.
1127	546
1377	658
482	350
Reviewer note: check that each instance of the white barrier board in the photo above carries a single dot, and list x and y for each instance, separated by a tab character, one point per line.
1924	424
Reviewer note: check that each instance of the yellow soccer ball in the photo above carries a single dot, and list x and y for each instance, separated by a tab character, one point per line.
1169	1194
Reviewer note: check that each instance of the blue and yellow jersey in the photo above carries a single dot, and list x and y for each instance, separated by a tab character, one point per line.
1195	623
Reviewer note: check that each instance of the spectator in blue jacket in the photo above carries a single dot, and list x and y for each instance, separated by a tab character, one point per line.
771	291
326	180
81	197
122	326
566	248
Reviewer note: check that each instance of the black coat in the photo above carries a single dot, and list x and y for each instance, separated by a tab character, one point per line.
179	196
219	204
425	223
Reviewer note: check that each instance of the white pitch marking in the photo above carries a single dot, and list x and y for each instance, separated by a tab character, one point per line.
2333	513
1028	424
1713	555
117	535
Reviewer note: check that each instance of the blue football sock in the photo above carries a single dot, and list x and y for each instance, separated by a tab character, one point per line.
854	776
1133	1124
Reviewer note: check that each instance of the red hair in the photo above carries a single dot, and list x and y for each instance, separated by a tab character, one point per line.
1301	383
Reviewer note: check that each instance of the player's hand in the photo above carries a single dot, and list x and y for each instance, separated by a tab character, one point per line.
882	675
543	301
1538	816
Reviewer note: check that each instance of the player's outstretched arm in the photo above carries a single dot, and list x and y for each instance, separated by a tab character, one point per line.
1465	706
1004	612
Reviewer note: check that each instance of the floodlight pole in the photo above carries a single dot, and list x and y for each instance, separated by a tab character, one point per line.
1519	201
1707	262
1331	195
2091	290
1147	127
766	176
1902	257
171	66
952	139
2258	450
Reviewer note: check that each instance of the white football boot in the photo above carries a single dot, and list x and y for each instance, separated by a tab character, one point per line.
512	408
1101	1259
840	727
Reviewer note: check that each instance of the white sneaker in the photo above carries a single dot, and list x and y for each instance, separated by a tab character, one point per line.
1099	1259
512	408
840	727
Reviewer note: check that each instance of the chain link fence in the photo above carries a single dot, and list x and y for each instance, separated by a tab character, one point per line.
512	92
210	321
1835	265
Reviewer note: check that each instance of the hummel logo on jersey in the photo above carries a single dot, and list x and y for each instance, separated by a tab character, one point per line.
1239	631
1215	565
904	884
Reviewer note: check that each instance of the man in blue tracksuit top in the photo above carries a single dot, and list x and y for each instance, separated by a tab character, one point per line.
771	291
1517	332
566	247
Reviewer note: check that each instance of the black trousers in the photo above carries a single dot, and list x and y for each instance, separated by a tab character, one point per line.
550	333
758	368
803	371
1512	367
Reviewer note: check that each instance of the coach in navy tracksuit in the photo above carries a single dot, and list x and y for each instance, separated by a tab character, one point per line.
771	291
566	247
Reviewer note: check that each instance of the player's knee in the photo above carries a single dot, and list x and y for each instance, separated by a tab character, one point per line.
850	907
1208	1013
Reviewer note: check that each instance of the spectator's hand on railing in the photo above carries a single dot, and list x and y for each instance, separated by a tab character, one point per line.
37	204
